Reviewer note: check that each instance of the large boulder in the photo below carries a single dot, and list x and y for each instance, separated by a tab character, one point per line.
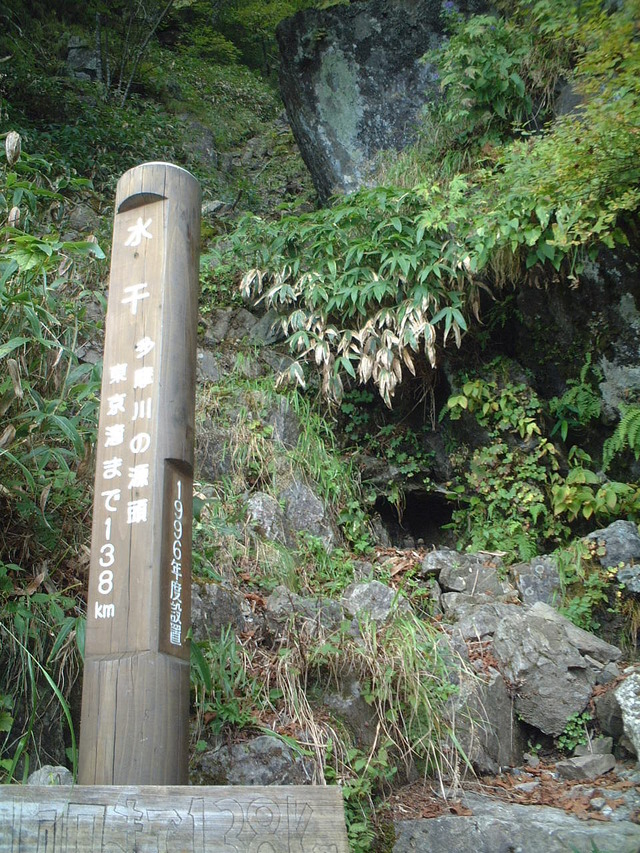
537	580
354	85
552	664
619	543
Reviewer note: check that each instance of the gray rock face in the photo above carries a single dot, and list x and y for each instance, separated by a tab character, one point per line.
229	324
598	746
266	517
304	511
552	663
214	608
264	760
621	541
629	577
348	704
486	725
82	60
353	83
628	696
609	715
373	600
608	299
472	574
538	580
478	575
315	616
497	827
475	620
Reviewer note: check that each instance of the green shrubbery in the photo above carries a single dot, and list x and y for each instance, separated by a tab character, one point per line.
48	403
373	287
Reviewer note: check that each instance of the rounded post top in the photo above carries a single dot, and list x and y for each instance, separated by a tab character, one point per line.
154	181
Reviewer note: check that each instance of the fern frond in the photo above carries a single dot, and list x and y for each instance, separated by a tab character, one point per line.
626	435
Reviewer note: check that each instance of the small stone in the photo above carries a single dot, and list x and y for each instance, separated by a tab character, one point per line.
598	803
527	787
585	767
599	746
49	775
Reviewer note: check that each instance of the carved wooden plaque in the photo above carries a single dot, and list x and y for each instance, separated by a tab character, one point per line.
151	819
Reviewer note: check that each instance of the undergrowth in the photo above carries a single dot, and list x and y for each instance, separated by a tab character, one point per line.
48	402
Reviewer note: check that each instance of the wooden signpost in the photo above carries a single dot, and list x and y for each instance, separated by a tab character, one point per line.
133	795
135	700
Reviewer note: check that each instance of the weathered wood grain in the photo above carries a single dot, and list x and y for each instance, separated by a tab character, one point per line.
153	819
134	724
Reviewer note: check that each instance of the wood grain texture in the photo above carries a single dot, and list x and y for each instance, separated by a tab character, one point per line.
140	573
154	819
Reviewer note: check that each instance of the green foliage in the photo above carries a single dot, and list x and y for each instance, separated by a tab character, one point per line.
586	586
482	66
404	673
370	774
48	401
575	732
515	496
206	43
251	25
579	404
322	572
584	493
363	288
258	463
626	435
228	695
371	287
505	504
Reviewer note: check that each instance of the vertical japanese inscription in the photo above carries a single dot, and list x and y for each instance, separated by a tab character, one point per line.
176	560
122	551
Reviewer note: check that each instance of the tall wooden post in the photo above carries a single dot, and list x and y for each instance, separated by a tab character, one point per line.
135	701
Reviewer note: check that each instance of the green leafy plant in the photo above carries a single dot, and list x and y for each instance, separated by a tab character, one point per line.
587	589
228	695
579	404
575	732
48	401
586	494
482	67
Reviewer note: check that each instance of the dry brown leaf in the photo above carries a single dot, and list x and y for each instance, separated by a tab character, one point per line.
14	373
36	583
7	436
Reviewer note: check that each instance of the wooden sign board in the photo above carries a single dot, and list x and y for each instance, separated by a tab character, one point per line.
59	819
135	705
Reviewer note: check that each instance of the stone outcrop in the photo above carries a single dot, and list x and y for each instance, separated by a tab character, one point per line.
354	85
495	827
551	663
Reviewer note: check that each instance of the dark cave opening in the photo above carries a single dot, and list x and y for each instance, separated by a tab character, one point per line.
423	516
